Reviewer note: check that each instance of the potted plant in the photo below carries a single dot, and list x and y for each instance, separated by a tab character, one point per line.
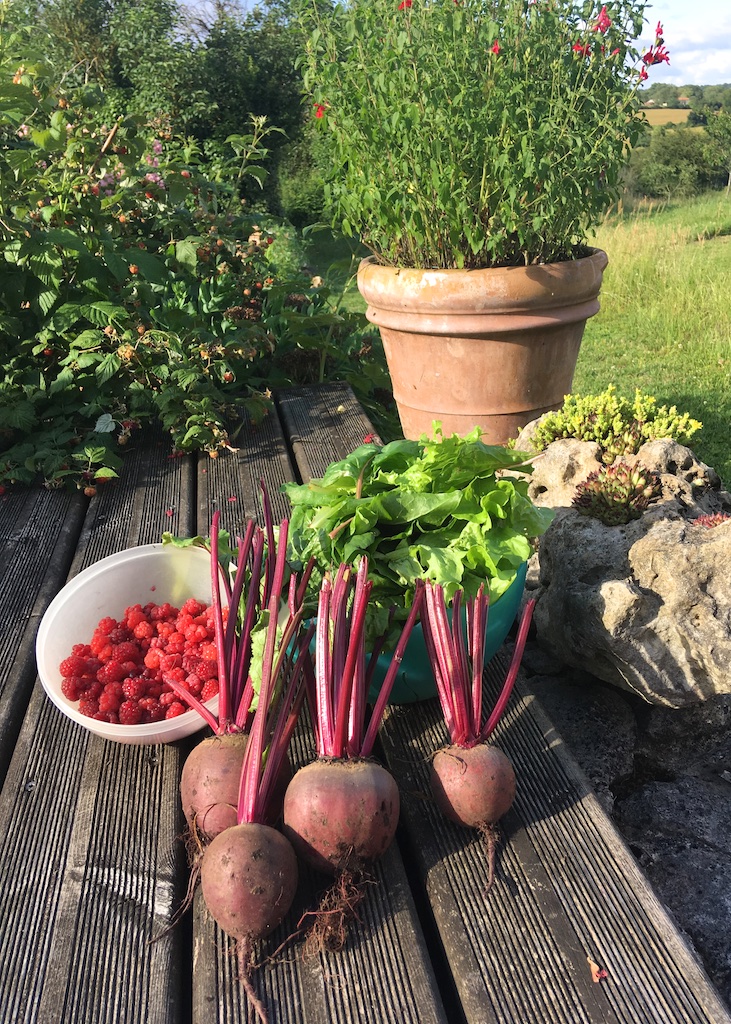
450	510
474	146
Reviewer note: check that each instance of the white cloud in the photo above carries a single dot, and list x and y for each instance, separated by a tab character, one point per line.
698	38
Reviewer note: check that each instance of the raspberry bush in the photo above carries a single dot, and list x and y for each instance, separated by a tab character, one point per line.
137	285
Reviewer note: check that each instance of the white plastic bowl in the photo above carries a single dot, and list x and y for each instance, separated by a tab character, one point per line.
151	572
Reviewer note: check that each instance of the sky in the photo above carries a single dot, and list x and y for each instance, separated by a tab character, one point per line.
698	38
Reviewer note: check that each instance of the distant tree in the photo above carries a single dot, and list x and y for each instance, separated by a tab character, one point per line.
718	130
674	163
716	96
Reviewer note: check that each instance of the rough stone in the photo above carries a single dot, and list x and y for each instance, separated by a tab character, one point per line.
597	723
664	775
680	832
645	606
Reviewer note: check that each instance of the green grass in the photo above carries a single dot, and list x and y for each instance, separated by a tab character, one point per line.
665	321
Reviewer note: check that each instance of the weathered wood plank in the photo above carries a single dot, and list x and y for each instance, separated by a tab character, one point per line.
91	866
384	973
38	532
566	889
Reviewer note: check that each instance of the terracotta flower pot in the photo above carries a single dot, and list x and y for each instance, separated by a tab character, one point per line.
493	348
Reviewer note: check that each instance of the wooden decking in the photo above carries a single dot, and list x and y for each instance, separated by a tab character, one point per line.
92	866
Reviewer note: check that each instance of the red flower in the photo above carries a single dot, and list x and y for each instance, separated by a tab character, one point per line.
643	74
658	32
496	47
582	48
404	4
320	109
657	56
603	22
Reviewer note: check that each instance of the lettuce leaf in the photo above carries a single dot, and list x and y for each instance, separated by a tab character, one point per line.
451	509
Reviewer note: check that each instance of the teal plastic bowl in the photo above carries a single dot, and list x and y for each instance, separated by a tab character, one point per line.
415	680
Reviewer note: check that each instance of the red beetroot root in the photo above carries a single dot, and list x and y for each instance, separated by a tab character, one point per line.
209	784
341	814
475	787
210	781
249	880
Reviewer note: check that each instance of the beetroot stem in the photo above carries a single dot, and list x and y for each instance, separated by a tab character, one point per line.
512	671
442	684
248	810
286	718
323	661
243	656
385	692
223	675
244	547
354	650
477	625
448	693
461	688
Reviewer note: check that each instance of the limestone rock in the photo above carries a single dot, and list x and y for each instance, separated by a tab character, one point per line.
645	606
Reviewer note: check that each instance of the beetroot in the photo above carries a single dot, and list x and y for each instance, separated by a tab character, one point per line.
341	812
209	784
472	782
249	871
248	880
473	786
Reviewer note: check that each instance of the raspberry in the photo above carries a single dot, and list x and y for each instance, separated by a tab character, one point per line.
193	607
210	690
207	670
118	635
106	625
134	615
194	683
105	653
175	710
73	666
163	611
71	688
151	710
88	707
152	658
176	643
208	651
133	689
113	672
170	661
130	713
128	651
110	699
195	633
144	630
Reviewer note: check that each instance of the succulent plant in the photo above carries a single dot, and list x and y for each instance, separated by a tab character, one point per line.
619	426
711	519
616	494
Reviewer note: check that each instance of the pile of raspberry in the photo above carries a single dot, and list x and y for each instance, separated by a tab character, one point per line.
121	675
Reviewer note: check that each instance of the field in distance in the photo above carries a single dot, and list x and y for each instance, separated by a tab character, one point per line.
666	115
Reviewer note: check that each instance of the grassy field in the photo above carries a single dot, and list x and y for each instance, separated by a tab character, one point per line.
665	115
665	321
